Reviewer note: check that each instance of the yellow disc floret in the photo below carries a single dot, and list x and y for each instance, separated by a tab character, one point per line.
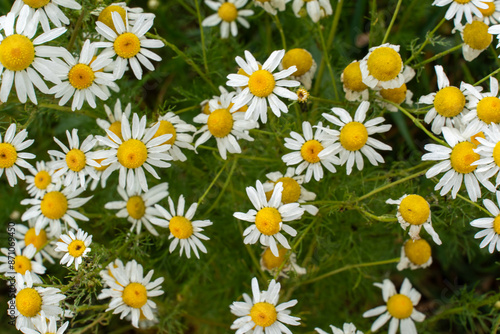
268	221
8	155
75	159
135	295
301	58
36	3
261	83
353	136
136	207
166	128
76	248
17	52
476	35
488	11
396	95
291	190
21	264
449	101
127	45
384	63
462	1
302	95
352	77
474	140
417	251
42	179
105	15
488	109
28	302
102	168
400	306
220	123
81	76
414	209
496	224
496	153
310	150
263	314
270	261
30	238
116	128
228	12
180	227
54	205
462	156
132	153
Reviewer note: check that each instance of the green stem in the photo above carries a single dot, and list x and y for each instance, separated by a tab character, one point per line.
475	204
427	40
320	99
280	29
392	21
180	111
326	56
78	25
198	14
487	77
224	187
212	183
385	218
439	55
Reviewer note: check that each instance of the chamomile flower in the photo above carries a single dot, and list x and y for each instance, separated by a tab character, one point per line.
316	9
382	67
41	180
136	152
352	83
75	162
448	103
172	124
271	263
262	86
132	14
11	157
268	220
397	95
75	247
272	6
31	301
399	308
352	138
228	12
303	60
115	118
490	226
45	325
138	207
132	292
415	211
491	15
476	38
261	314
415	254
183	229
225	126
347	329
129	44
307	149
24	263
489	149
484	107
26	235
22	57
458	8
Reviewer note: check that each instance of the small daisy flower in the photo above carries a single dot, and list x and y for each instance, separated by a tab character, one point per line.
268	220
489	149
262	86
399	308
132	293
138	207
272	6
26	235
491	15
484	107
228	12
132	14
397	95
352	138
307	150
225	126
45	325
22	57
115	118
129	44
261	314
41	180
172	124
383	67
75	247
303	60
136	152
415	254
11	157
316	9
460	7
271	263
347	329
415	211
23	263
183	229
490	226
352	83
448	103
476	39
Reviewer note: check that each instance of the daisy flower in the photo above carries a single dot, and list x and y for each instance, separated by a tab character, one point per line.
225	126
172	124
114	124
11	157
76	162
272	6
307	149
397	95
271	263
41	180
415	254
129	44
261	314
26	235
476	38
352	83
45	325
268	220
136	152
316	9
460	7
132	292
484	107
228	13
132	14
183	229
491	15
262	86
352	138
303	60
31	301
382	67
415	211
347	329
75	247
138	208
448	103
399	308
21	57
490	226
489	149
23	263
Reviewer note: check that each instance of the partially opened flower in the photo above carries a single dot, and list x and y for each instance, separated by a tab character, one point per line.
316	9
10	156
303	60
415	254
383	67
76	247
476	39
104	14
228	12
397	95
26	235
490	226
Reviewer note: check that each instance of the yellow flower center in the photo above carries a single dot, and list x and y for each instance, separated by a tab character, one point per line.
496	224
132	153
300	58
418	251
302	95
75	159
135	207
76	248
268	221
488	109
242	109
42	179
17	52
474	140
30	238
414	209
102	168
476	35
8	155
180	227
291	190
206	109
384	64
352	78
135	295
396	95
29	302
54	205
166	128
449	101
36	3
21	264
116	128
462	1
261	83
228	12
496	153
263	314
81	76
105	15
488	11
270	261
462	156
400	306
353	136
127	45
220	123
310	150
